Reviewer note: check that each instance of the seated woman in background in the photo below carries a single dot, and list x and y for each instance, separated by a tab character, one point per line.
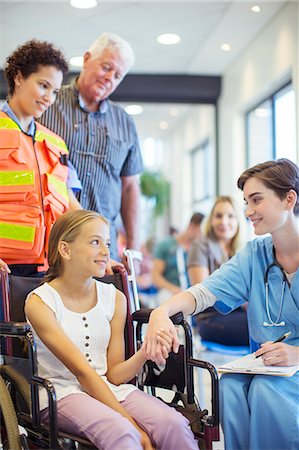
78	323
205	256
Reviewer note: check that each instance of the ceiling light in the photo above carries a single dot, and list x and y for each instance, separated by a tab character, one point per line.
163	125
256	8
76	61
84	4
174	112
134	110
225	47
168	38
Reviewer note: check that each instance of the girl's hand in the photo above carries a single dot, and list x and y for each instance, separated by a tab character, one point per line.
165	340
4	267
145	440
279	354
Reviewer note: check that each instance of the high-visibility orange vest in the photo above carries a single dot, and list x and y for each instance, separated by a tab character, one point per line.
33	191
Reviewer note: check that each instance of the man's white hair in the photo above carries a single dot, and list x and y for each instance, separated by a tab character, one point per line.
113	41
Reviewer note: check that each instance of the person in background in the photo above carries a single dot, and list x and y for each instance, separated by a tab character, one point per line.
101	136
169	271
257	411
206	254
79	323
36	184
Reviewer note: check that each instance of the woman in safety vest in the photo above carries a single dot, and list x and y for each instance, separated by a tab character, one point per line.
35	183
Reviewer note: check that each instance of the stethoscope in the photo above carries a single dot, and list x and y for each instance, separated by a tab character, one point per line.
271	322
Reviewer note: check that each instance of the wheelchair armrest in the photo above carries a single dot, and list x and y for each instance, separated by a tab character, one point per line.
53	427
214	419
142	316
14	328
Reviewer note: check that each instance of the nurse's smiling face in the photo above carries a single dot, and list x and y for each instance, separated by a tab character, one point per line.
265	209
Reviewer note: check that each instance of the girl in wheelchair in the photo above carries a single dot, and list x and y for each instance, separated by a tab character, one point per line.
79	324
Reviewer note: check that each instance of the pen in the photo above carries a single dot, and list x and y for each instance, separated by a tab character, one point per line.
281	338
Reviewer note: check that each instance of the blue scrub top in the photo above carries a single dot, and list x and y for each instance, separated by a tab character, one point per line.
241	280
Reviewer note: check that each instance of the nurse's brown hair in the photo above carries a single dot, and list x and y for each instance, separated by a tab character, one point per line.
281	176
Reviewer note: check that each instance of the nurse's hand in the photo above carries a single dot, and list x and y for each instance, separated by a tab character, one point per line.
279	354
161	337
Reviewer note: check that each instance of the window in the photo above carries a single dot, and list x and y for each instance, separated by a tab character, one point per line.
203	174
270	128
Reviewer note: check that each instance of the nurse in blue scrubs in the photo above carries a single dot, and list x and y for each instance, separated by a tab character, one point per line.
258	412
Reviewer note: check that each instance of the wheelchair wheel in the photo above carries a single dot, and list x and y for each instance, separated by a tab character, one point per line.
10	437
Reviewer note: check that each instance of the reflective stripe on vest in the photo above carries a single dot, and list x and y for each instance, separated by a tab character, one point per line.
58	185
23	233
9	124
17	178
40	135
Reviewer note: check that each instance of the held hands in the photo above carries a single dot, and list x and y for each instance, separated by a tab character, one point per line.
278	354
161	337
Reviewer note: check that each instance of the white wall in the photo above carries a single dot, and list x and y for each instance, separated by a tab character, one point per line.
269	61
193	130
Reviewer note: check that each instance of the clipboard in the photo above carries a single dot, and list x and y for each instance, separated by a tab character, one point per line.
251	365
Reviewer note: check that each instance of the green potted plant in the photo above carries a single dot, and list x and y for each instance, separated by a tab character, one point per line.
155	185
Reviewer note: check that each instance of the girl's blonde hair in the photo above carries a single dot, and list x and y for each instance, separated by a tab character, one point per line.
209	232
66	228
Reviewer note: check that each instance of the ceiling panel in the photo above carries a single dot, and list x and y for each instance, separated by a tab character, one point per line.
203	26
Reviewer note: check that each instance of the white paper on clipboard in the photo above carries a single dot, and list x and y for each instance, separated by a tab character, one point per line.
249	364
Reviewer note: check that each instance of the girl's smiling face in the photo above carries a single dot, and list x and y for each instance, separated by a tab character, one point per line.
90	250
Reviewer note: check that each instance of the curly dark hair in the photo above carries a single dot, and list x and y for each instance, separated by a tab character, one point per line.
27	57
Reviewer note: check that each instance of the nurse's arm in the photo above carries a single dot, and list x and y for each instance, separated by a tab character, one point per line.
159	321
192	301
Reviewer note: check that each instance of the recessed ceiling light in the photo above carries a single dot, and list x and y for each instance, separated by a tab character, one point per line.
134	110
163	125
256	8
225	47
84	4
168	38
76	61
174	112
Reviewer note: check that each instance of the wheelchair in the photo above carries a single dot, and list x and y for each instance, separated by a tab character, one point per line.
20	382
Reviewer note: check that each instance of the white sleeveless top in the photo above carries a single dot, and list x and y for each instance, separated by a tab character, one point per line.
89	331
